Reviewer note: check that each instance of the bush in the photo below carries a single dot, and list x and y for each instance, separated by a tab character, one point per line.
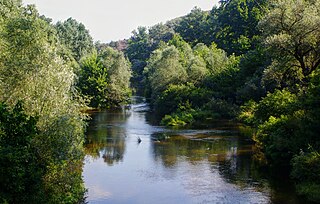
20	172
247	112
170	99
183	116
275	104
221	109
306	170
279	138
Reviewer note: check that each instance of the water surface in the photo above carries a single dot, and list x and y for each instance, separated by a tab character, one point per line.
172	166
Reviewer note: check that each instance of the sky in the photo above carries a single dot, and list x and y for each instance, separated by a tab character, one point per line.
112	20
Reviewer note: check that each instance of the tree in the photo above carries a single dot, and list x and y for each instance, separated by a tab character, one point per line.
292	31
164	68
75	37
93	81
160	32
141	45
237	32
105	78
119	76
21	172
193	27
138	51
32	71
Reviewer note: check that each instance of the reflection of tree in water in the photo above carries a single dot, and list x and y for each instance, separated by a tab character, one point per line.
106	136
226	153
197	148
115	147
242	170
237	167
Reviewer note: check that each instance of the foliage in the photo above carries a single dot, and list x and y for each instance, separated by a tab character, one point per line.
20	173
292	31
275	138
237	32
105	78
174	95
93	80
193	27
306	170
176	73
33	71
119	75
183	116
141	45
220	109
164	68
249	78
247	112
275	104
75	37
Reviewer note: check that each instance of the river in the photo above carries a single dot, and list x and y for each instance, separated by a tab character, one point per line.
172	166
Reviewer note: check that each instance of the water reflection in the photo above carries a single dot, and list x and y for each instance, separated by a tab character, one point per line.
106	136
171	166
227	155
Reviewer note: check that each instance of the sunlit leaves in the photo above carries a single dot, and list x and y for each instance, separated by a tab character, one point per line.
33	71
75	37
164	68
292	29
105	78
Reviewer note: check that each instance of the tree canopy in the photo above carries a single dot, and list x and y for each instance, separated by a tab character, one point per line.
33	73
75	37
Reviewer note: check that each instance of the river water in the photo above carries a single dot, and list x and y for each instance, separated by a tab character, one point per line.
172	166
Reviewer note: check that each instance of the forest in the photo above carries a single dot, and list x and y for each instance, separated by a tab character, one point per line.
252	61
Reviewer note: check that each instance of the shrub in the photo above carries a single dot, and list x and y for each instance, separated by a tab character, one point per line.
306	170
20	172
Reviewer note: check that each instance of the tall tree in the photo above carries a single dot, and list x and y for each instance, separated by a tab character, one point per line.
164	68
292	31
193	27
105	78
237	32
119	73
75	37
140	46
32	71
160	32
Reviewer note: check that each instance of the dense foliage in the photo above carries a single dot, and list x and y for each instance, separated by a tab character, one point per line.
41	141
103	73
182	79
20	171
47	75
105	77
75	37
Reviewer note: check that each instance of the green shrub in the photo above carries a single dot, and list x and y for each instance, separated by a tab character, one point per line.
221	109
247	112
183	116
170	99
306	171
20	172
275	104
